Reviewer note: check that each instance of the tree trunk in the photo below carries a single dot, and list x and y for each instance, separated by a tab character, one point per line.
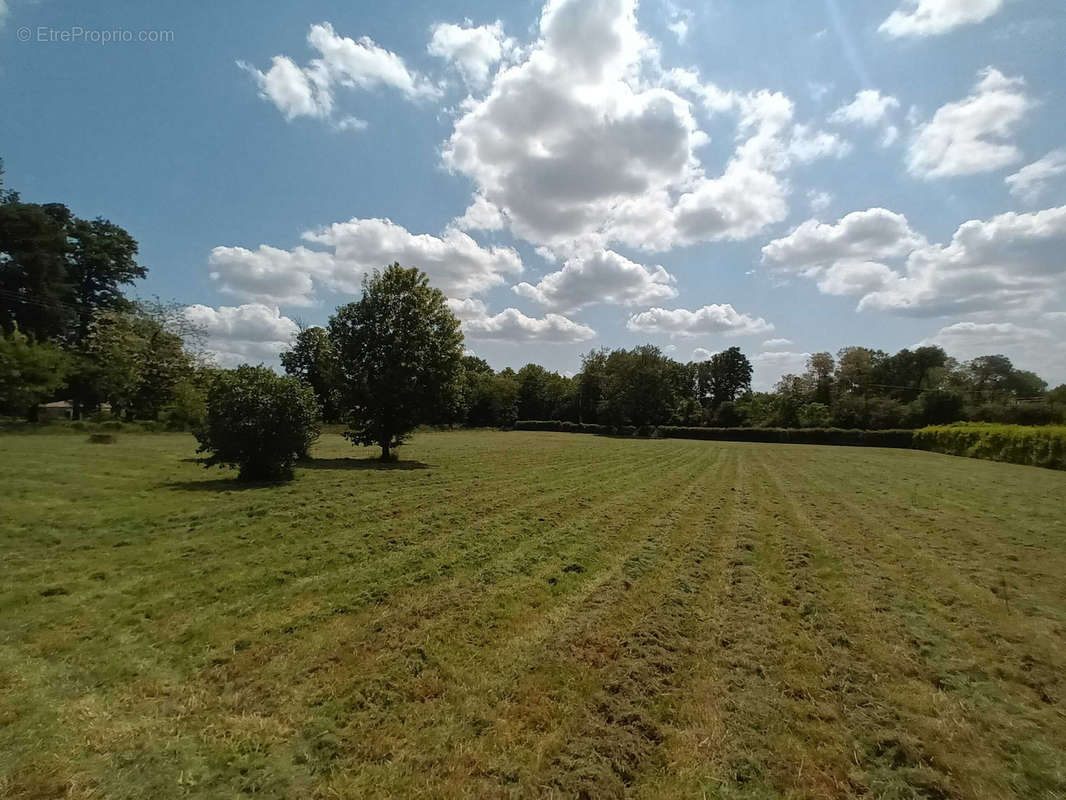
385	455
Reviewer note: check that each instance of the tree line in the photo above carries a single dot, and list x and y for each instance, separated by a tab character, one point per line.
860	387
394	359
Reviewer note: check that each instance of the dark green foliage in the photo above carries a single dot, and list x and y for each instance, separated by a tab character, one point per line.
258	422
723	377
400	350
940	407
832	436
313	359
134	360
1035	446
35	288
30	373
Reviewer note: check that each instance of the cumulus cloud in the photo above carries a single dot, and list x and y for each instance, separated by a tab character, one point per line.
474	50
935	17
701	354
455	263
511	325
341	62
769	365
252	333
777	344
867	109
873	234
1009	262
1041	350
818	200
603	277
973	134
585	142
1032	180
711	319
480	215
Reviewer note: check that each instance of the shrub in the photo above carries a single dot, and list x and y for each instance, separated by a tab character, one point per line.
258	422
1016	444
834	436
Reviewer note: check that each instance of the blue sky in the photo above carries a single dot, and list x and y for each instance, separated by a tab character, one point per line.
787	177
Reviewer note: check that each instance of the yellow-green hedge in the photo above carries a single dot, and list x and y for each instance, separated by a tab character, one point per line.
1038	446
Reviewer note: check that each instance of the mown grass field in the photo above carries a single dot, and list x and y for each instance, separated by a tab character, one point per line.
530	615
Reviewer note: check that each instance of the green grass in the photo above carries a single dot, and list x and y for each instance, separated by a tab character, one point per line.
530	615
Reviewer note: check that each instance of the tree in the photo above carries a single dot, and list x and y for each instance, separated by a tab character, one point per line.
400	351
30	373
313	359
134	360
6	195
35	289
728	376
58	270
820	371
101	258
258	422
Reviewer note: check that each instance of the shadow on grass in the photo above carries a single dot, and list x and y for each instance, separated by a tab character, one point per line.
358	463
222	485
232	484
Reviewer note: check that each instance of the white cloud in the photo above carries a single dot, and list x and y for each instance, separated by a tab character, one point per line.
678	21
455	263
867	109
769	366
269	275
467	308
602	277
295	92
972	135
935	17
970	339
1032	180
701	354
777	344
819	201
252	333
481	215
874	234
711	319
586	142
1011	262
511	325
474	50
342	62
1040	350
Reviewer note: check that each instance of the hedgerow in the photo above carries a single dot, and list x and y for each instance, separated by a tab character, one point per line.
832	436
1038	446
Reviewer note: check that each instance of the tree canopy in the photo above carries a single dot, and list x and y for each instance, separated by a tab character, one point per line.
399	349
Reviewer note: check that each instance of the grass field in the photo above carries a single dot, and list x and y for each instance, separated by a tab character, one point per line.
530	615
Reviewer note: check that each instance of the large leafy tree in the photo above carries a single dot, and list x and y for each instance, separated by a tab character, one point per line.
400	351
57	271
313	359
30	372
135	360
35	289
728	375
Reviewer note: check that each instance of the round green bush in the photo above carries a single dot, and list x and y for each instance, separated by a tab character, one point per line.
258	422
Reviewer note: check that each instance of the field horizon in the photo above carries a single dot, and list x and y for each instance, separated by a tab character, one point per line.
529	614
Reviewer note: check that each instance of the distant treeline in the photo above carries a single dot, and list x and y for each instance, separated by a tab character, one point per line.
860	388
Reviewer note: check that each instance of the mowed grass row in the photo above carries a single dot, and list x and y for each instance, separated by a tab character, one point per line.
530	614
